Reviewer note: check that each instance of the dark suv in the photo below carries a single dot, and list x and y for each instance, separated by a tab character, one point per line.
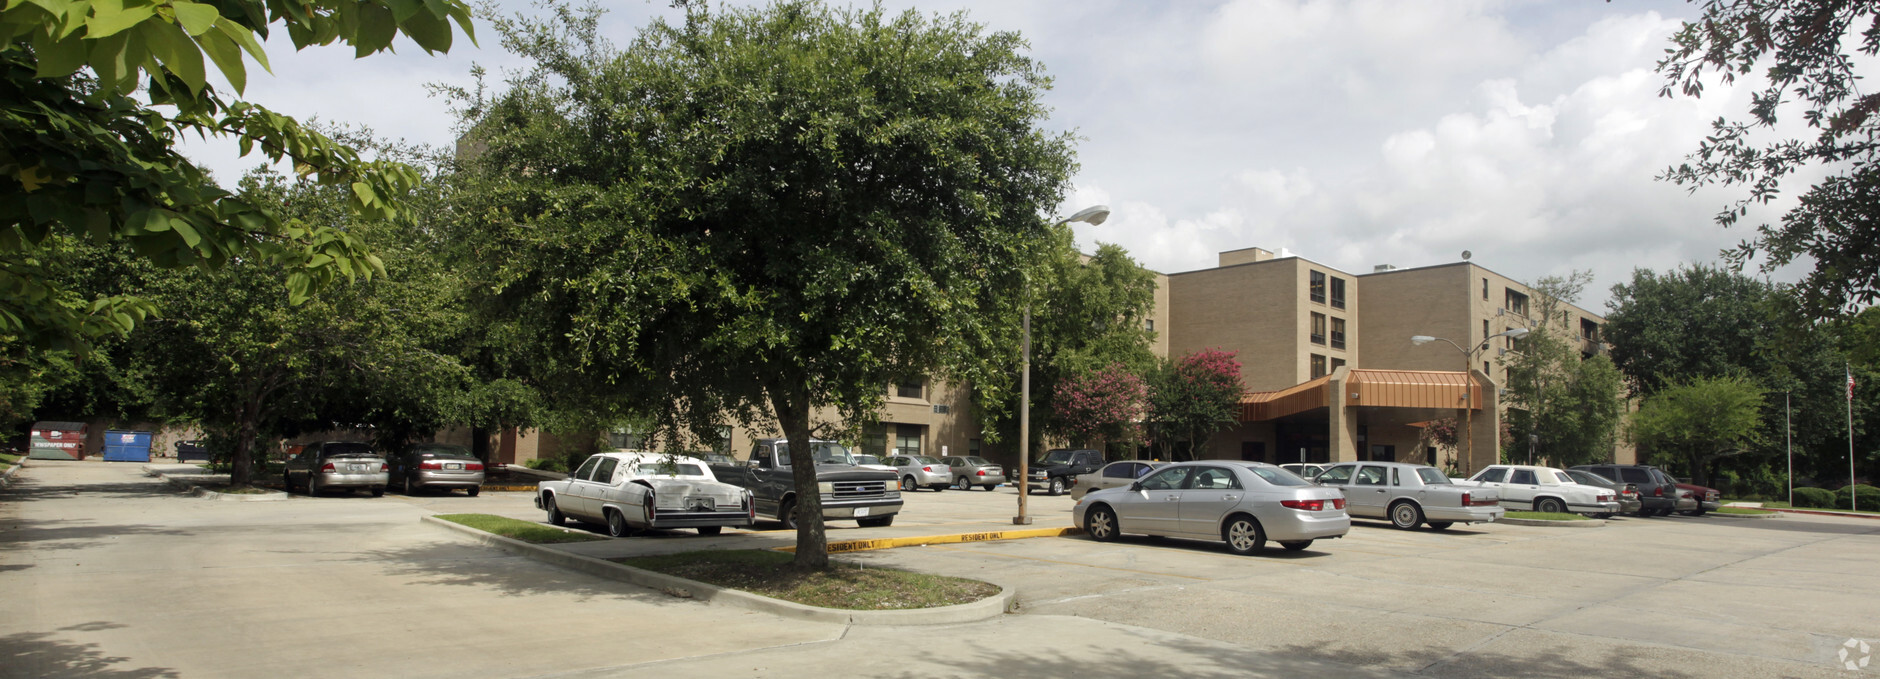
1057	471
1657	491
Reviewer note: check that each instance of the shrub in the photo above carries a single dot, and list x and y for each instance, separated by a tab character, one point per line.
1869	497
549	464
1815	498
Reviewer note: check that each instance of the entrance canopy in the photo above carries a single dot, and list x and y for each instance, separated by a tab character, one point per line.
1375	388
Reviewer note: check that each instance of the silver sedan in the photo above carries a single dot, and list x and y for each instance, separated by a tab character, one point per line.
1240	503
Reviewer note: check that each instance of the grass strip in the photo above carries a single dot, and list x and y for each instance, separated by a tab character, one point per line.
1741	510
1545	516
1778	504
844	586
515	529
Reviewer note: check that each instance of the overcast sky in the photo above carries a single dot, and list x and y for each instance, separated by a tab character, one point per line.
1351	133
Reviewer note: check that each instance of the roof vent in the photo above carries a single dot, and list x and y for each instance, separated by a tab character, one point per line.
1383	267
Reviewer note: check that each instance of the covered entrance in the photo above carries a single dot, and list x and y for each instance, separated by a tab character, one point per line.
1356	414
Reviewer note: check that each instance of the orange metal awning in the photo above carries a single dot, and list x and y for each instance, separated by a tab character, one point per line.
1377	388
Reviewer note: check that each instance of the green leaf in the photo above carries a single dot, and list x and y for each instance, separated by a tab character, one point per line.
365	193
227	57
58	58
188	232
377	27
242	36
430	31
177	52
108	17
196	18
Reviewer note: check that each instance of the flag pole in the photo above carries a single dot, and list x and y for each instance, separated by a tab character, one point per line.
1853	494
1788	434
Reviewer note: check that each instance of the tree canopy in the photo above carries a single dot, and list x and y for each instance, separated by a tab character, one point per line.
84	156
757	213
1564	405
1698	421
1191	398
1805	57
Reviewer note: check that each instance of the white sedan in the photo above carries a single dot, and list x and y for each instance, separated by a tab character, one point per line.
1543	489
631	491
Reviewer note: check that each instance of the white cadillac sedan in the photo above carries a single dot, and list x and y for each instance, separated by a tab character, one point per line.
1240	503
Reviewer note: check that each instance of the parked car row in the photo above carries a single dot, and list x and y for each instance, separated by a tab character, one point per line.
323	466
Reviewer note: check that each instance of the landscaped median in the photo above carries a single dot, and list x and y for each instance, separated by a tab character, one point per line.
1744	513
1550	519
881	596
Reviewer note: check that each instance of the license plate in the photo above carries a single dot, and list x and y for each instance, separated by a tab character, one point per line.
704	503
356	467
861	511
453	465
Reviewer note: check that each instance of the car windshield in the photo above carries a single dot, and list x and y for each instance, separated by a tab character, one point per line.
977	461
664	469
826	453
442	450
1278	477
1431	475
1056	457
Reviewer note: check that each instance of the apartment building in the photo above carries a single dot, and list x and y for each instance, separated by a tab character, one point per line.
1329	357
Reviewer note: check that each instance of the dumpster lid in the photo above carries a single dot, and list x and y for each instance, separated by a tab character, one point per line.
59	426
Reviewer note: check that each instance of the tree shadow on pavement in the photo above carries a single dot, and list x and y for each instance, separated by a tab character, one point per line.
461	565
38	654
1615	662
32	490
75	533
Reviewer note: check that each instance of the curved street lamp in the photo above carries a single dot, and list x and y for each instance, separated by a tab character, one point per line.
1093	215
1468	392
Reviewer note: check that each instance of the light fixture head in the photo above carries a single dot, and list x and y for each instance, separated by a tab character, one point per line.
1516	333
1420	340
1094	214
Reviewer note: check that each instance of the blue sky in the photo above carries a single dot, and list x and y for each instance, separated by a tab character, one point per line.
1353	133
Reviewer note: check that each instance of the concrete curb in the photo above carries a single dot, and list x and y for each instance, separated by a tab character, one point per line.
841	546
192	483
990	607
1589	523
1821	512
206	494
1772	514
6	477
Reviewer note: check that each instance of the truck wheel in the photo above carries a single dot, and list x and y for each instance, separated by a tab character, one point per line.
1056	487
1550	505
1406	515
555	517
908	485
787	513
875	521
710	530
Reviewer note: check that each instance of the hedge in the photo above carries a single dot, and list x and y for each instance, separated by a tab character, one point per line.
1869	497
1815	498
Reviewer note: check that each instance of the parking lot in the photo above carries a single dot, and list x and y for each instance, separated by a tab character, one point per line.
1670	597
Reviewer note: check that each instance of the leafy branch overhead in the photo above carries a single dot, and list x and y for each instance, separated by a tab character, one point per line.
81	154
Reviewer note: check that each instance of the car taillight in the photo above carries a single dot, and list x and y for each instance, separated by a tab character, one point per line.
651	511
1338	503
473	466
1658	492
982	472
1466	500
430	464
328	467
1603	498
384	467
926	469
1308	505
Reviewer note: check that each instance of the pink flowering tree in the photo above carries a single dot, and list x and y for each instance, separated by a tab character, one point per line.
1192	398
1102	404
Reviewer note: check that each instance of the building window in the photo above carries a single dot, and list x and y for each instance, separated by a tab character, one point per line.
1318	287
1318	328
1338	333
1338	293
907	440
1485	368
1517	303
1485	330
1336	364
1589	330
1484	289
1149	325
972	447
911	388
875	440
1318	366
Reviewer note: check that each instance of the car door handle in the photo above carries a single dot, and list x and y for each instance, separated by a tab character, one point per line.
1230	498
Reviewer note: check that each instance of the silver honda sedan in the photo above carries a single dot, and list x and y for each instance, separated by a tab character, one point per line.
1240	503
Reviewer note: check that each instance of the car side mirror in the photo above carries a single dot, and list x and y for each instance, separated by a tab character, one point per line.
1135	487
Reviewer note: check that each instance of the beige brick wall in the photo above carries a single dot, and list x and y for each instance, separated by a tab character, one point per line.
1251	309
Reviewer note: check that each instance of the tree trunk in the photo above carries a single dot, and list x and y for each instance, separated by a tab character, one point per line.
812	542
241	468
480	444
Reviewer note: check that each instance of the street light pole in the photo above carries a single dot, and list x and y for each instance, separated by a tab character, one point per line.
1468	390
1093	215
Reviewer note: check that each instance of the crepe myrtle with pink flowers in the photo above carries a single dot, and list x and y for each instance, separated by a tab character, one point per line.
1103	404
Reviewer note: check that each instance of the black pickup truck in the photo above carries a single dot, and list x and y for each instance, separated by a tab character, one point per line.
871	497
1057	471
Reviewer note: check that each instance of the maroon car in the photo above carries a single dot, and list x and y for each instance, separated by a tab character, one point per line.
1708	499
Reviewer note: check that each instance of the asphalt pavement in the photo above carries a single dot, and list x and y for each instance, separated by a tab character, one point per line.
105	572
